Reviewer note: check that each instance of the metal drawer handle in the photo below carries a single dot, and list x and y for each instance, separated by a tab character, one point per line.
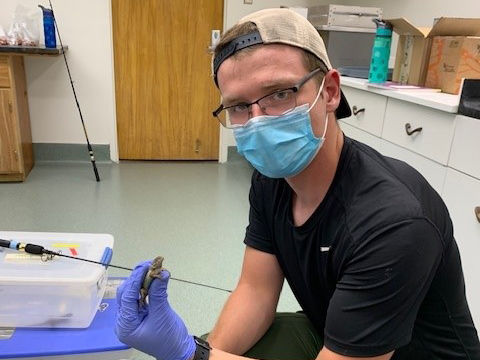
477	212
356	110
410	132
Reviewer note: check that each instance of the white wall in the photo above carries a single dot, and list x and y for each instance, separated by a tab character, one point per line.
85	26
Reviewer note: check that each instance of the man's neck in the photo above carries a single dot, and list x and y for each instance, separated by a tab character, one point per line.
311	185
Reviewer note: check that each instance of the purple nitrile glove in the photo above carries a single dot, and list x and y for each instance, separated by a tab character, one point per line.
154	328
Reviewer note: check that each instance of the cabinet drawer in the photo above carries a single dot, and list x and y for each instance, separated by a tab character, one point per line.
465	154
462	195
371	109
4	73
432	171
432	141
360	135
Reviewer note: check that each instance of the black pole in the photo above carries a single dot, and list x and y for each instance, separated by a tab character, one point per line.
89	147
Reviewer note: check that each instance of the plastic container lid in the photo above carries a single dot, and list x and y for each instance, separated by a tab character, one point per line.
21	268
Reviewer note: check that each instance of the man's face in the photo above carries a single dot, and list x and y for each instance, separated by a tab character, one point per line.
263	70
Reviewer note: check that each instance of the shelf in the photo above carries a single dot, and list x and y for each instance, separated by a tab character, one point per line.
31	50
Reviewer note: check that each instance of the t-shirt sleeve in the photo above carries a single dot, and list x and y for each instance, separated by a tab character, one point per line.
257	234
382	285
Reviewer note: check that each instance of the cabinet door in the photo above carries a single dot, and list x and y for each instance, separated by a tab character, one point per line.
433	129
4	72
369	109
462	195
360	135
9	159
465	153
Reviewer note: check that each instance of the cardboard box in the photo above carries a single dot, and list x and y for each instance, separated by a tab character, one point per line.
413	49
432	62
452	59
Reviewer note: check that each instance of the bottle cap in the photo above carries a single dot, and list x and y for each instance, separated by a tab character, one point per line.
383	27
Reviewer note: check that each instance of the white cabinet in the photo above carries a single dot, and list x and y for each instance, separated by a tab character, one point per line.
367	110
430	133
446	143
465	154
432	171
462	195
360	135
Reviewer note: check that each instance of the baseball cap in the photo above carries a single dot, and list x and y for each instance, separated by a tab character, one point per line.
281	26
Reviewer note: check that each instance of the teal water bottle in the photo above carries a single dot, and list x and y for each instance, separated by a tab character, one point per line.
380	52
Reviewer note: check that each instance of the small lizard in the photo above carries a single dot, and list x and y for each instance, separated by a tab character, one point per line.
153	272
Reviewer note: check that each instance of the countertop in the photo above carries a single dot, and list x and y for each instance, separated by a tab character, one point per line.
436	100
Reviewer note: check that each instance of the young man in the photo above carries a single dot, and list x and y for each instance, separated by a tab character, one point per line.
365	243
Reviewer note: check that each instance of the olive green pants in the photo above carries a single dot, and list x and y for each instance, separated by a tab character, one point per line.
291	337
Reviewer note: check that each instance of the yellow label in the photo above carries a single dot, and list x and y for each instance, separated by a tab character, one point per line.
65	245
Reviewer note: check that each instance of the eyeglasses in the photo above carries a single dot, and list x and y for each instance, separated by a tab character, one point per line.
277	103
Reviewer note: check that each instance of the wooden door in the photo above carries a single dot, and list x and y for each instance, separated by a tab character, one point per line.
9	156
163	84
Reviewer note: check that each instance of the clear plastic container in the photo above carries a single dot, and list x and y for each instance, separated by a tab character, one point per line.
58	293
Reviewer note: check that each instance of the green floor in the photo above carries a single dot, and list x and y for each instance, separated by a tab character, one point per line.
192	213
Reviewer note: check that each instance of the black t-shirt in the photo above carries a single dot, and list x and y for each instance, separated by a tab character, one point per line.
375	267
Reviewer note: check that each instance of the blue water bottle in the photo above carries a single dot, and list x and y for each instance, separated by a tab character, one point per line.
49	28
380	52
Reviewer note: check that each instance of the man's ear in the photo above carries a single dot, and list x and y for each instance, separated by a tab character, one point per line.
332	90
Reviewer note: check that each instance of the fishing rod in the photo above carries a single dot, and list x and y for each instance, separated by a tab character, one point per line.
49	254
89	147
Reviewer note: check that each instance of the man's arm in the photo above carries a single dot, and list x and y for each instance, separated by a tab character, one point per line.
142	326
325	354
250	310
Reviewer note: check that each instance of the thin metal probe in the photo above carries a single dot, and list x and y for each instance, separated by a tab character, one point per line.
129	269
48	252
40	250
200	284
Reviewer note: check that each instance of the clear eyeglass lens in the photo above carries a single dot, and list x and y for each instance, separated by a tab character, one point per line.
279	101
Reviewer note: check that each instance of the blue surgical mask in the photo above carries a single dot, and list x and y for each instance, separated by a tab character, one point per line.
280	146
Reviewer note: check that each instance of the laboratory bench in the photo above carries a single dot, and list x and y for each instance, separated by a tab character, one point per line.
423	129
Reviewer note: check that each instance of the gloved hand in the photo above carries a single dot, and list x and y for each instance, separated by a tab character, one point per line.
154	328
